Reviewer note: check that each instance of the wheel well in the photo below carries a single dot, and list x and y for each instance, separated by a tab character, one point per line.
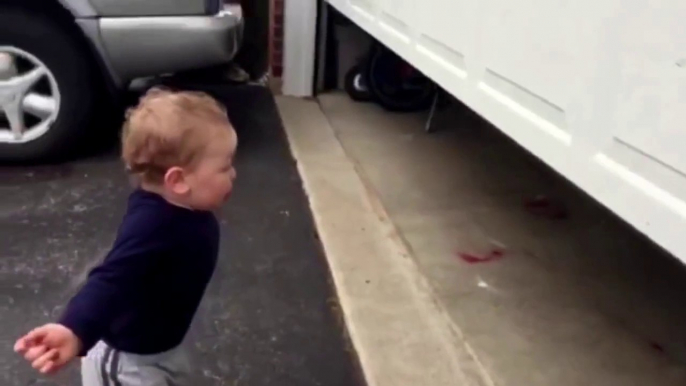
47	7
56	11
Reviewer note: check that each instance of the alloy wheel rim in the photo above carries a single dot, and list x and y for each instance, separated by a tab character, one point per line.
29	96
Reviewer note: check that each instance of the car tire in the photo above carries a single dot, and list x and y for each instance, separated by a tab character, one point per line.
68	61
355	84
384	62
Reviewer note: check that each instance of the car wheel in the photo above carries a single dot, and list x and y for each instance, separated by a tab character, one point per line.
46	87
356	84
395	84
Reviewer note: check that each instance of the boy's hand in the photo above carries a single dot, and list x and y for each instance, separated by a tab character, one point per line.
49	348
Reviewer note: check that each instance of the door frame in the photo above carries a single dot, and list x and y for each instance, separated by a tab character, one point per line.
299	47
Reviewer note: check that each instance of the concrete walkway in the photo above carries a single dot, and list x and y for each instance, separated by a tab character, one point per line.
402	336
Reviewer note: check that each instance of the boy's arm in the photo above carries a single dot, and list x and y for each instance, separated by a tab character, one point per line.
109	288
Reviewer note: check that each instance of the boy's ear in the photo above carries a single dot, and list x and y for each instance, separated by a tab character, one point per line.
175	181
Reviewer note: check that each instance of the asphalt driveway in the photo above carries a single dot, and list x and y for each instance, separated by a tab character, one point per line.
269	317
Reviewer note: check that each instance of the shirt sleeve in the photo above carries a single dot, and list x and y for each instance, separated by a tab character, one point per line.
111	285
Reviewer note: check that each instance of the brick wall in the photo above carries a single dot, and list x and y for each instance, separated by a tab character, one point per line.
276	38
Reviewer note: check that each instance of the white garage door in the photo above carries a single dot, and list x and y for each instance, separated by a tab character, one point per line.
595	88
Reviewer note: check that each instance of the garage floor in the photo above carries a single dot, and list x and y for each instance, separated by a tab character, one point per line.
540	284
269	316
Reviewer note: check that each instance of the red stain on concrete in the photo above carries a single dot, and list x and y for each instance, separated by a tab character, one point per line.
493	255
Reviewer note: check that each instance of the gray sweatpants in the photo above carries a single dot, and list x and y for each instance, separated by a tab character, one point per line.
105	366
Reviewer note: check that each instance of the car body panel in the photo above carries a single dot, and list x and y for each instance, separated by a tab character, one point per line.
79	8
135	8
91	29
145	46
134	38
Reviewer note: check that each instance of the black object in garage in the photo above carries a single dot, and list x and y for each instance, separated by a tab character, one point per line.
253	56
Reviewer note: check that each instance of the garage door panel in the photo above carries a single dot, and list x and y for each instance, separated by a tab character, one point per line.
536	43
447	32
652	97
398	13
596	89
366	8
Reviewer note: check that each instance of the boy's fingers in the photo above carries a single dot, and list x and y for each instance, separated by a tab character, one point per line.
43	360
36	335
20	346
48	368
35	352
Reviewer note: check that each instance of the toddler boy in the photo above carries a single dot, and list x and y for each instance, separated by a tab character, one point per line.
132	314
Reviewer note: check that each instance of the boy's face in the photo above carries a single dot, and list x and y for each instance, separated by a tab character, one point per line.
209	184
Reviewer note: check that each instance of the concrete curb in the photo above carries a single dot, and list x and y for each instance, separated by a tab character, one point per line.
401	334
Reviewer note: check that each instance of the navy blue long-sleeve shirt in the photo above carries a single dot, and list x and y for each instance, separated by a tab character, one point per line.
143	296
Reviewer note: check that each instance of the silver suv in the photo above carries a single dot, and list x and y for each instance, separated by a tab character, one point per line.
59	58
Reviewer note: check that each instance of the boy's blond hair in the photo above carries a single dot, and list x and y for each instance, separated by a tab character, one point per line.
169	129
